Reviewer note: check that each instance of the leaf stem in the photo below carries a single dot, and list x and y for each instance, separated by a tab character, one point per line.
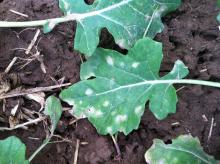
36	23
68	17
116	146
186	81
23	24
46	141
175	81
158	81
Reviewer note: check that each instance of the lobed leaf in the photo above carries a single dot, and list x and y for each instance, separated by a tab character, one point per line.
184	149
114	99
12	150
126	20
53	108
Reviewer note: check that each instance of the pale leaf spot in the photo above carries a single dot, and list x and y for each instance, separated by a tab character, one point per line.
109	129
106	104
98	113
80	102
121	43
122	129
147	17
122	64
91	110
121	118
157	14
90	74
138	110
135	64
110	60
89	92
160	11
161	161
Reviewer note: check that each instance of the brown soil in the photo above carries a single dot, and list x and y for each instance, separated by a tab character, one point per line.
191	34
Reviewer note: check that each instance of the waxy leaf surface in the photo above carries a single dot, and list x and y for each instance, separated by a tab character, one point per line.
126	20
12	151
115	99
184	149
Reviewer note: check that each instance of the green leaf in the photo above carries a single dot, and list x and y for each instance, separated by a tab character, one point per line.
218	17
12	151
53	108
218	3
126	20
185	149
115	99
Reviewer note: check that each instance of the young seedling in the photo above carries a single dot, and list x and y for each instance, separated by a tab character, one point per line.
114	99
53	109
12	150
126	20
184	149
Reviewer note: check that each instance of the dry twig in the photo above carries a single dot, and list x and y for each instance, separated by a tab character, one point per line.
32	90
24	124
211	129
18	13
32	42
7	70
76	151
117	147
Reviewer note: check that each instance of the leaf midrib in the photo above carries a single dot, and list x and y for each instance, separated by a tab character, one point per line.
80	16
98	12
186	151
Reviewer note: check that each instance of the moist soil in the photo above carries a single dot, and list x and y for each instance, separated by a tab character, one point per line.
191	34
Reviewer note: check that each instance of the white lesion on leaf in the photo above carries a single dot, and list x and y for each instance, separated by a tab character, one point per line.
109	129
91	110
161	161
135	64
89	91
122	64
147	17
106	103
121	118
122	129
98	113
90	74
160	11
110	60
138	110
121	43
